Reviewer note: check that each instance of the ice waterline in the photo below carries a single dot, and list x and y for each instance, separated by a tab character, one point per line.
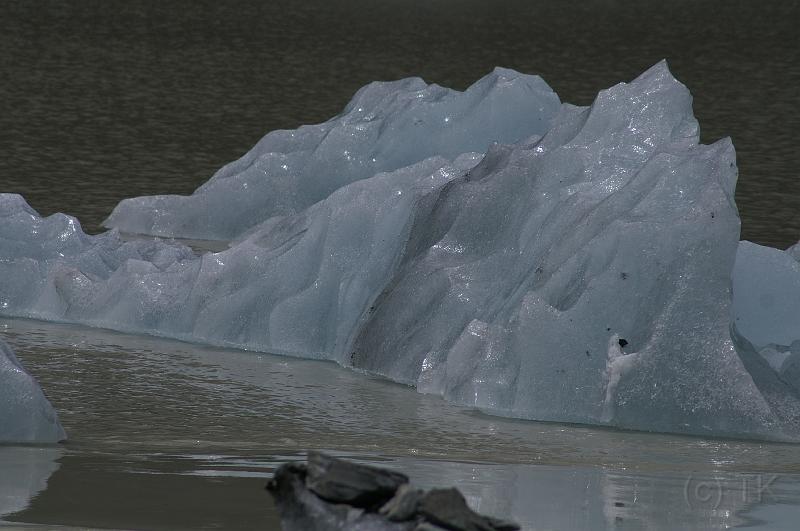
578	271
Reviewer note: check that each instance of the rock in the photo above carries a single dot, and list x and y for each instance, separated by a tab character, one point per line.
448	508
501	525
404	505
340	481
299	508
302	510
427	526
323	494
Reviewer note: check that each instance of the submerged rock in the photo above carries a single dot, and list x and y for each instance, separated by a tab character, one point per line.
335	494
26	415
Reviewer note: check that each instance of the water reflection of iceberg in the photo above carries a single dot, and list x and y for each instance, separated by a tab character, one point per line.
24	471
595	498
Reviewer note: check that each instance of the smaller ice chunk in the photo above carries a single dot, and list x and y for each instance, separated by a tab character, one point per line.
26	416
766	295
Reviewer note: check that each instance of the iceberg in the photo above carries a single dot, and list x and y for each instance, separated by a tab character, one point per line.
766	310
766	287
26	416
386	126
579	271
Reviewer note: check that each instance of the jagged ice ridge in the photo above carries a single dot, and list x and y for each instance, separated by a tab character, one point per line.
386	126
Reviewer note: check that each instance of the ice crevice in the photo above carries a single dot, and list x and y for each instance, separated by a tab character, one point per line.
494	246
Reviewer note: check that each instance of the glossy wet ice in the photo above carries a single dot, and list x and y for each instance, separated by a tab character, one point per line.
165	434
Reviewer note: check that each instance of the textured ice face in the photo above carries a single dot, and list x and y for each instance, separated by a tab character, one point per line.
584	277
25	414
581	275
296	285
386	126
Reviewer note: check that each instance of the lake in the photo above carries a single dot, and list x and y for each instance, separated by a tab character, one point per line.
170	435
107	100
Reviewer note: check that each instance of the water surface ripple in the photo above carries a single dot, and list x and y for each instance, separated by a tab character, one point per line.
160	429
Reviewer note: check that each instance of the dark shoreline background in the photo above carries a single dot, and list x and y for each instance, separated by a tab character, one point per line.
102	100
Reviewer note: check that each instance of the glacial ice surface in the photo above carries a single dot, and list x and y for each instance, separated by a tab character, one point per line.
26	416
579	273
386	126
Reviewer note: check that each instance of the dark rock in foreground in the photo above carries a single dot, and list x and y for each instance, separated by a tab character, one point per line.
339	481
334	494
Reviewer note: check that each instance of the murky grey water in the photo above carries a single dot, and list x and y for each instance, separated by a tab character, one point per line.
165	434
105	100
